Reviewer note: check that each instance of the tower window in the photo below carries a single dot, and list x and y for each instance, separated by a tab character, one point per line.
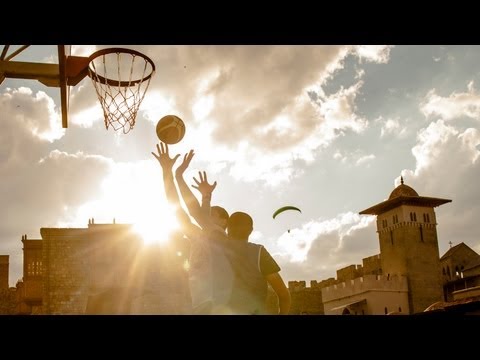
386	310
421	233
399	309
414	216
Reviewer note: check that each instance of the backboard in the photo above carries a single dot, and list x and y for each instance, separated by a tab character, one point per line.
120	91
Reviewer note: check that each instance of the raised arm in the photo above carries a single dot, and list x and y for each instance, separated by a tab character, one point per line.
202	218
206	190
171	193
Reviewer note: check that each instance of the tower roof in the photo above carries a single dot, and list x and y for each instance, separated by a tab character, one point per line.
403	195
402	190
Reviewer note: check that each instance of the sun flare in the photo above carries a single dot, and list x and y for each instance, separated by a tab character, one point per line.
155	230
143	205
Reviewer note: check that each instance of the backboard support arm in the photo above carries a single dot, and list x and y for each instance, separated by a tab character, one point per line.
68	72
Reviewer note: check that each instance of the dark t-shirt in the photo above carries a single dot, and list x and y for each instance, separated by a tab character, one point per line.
267	264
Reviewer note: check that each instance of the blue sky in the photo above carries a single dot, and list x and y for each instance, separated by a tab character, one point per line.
328	129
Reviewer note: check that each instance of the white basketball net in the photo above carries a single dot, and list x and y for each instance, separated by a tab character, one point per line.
121	80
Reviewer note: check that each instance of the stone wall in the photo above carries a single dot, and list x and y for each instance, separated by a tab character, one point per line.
4	266
67	264
305	300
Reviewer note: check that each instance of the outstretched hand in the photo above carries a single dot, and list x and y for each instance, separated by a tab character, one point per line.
203	186
164	158
184	165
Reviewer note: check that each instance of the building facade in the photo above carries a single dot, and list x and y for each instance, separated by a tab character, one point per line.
407	232
101	269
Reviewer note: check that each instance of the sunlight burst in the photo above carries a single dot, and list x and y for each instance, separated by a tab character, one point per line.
155	231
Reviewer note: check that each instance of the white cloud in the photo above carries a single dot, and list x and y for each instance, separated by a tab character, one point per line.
453	106
431	143
298	242
249	107
356	157
360	73
35	113
373	53
365	159
447	166
392	127
339	110
318	248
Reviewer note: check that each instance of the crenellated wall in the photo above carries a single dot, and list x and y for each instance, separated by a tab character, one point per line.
305	300
363	284
372	265
367	295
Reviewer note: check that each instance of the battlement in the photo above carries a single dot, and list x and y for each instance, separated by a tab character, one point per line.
296	285
372	265
364	284
323	283
349	272
314	284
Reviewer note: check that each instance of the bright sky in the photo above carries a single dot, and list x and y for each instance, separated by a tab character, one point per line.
328	129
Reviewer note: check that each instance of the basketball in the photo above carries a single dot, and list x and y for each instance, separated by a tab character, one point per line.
170	129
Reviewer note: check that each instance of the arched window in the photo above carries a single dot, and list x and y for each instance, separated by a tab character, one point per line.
448	271
346	312
386	310
399	309
414	216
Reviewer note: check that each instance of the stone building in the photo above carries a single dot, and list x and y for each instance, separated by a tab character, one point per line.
460	270
102	269
7	295
305	300
4	268
30	289
407	231
406	276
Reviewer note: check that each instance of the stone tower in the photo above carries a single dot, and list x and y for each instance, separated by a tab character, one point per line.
4	272
406	227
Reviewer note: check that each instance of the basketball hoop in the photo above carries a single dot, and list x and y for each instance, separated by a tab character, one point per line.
121	78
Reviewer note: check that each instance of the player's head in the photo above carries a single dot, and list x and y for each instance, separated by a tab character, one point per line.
219	216
239	226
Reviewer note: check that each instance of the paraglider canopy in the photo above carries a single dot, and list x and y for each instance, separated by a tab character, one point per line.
285	208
